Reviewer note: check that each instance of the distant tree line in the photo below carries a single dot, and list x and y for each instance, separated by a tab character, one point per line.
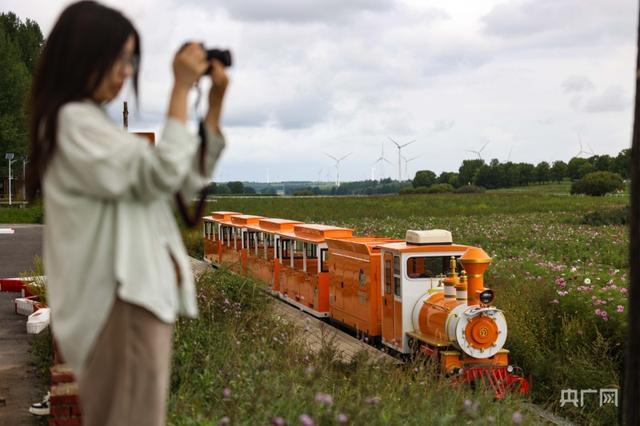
505	175
231	188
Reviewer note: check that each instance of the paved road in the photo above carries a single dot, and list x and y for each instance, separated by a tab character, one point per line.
18	382
17	250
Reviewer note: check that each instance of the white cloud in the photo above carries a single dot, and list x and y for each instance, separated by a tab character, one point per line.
612	99
329	76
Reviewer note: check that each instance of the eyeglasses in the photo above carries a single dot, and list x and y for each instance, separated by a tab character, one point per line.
131	60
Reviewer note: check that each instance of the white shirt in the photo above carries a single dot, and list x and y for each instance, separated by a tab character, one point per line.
110	228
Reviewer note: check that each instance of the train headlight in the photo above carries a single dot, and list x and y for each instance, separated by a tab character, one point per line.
509	368
487	296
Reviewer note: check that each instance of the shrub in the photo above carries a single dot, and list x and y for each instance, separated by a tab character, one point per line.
470	189
599	217
439	188
597	184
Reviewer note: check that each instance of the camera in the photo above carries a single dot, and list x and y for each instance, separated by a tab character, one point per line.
223	55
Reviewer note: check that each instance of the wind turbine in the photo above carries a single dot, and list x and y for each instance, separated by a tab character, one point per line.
479	152
509	157
400	156
380	160
337	166
582	151
406	164
320	175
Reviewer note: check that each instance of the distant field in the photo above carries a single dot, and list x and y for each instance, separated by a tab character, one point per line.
561	284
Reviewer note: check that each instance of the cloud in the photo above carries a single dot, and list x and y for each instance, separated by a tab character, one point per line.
611	99
577	83
300	11
555	23
442	125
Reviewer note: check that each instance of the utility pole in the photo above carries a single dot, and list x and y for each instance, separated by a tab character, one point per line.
9	157
24	177
125	116
629	412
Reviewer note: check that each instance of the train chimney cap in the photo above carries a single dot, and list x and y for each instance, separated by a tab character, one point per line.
430	237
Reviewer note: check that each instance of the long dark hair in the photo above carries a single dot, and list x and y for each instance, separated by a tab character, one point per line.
81	49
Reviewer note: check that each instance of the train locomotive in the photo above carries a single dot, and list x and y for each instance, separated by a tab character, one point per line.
421	294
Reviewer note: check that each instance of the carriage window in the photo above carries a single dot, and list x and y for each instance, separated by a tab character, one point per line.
396	276
387	276
310	250
297	248
286	244
429	266
323	260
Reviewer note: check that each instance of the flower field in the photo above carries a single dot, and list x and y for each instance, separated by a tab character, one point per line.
562	284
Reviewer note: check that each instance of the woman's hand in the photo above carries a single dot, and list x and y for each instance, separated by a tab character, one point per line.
219	84
188	65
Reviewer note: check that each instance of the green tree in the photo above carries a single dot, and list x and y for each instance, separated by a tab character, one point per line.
20	45
558	170
573	168
424	178
622	163
467	171
235	187
543	172
598	184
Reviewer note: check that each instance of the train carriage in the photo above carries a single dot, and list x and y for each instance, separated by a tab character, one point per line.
354	282
265	263
218	237
303	276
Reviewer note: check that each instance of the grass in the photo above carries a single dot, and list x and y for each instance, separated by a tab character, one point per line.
239	363
30	214
557	332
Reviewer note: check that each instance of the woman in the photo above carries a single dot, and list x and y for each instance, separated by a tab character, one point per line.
117	270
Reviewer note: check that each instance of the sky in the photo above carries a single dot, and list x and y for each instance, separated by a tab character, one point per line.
525	79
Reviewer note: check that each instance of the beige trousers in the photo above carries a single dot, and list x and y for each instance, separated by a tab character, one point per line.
127	374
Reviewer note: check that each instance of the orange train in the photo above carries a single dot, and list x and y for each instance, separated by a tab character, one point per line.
424	293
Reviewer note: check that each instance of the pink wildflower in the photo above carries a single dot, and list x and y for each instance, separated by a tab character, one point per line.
373	400
324	398
277	421
555	301
343	419
620	308
516	417
306	420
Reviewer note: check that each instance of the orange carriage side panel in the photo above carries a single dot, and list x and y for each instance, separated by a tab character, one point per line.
241	222
354	282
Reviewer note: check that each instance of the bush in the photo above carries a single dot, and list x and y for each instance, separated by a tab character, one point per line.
607	217
439	188
598	184
471	189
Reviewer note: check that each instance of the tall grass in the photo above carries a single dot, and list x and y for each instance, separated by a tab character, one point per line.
542	258
240	363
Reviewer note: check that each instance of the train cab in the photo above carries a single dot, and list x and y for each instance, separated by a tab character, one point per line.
304	274
217	235
411	271
266	265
